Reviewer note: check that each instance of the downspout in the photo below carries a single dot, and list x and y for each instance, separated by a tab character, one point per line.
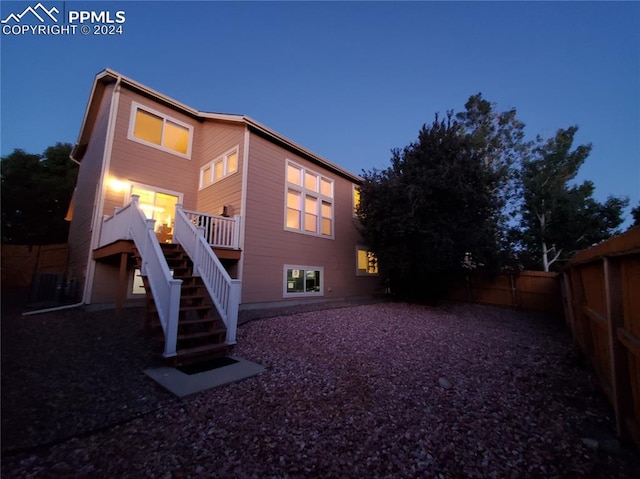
243	200
52	310
97	215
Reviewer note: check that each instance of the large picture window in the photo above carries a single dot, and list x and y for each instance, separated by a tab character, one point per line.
303	281
308	202
159	131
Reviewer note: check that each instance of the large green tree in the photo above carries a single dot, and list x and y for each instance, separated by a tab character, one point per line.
560	218
429	210
36	191
498	139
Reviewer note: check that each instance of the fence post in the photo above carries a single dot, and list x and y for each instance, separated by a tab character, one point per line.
568	303
582	321
622	394
514	291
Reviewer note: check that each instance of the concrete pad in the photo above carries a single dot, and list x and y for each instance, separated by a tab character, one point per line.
182	384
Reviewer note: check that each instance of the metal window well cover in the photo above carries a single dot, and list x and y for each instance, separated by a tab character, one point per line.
181	384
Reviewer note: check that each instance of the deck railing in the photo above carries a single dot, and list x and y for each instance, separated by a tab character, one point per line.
130	223
224	291
219	231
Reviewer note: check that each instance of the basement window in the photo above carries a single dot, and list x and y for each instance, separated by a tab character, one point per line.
302	281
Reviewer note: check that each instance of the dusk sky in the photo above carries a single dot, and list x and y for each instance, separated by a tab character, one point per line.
349	81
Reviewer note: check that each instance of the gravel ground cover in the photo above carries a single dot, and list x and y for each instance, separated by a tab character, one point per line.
381	390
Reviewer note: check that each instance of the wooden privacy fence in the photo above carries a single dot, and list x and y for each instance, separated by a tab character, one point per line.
601	290
528	290
21	262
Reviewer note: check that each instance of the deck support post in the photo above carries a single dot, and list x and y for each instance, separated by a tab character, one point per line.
122	283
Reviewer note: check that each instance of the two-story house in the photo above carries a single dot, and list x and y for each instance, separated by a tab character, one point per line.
205	209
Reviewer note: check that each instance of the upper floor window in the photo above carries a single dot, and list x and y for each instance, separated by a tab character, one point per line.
155	129
219	168
309	201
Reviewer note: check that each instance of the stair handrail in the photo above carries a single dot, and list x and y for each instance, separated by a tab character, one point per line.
130	223
224	291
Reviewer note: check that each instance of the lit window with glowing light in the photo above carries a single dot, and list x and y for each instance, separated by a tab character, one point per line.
160	131
159	206
367	263
308	202
219	168
356	200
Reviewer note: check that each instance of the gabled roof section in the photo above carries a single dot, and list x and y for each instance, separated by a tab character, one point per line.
108	77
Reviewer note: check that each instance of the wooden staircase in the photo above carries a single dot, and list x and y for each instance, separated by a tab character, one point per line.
201	331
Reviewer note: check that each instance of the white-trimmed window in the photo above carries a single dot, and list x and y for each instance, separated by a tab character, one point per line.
221	167
308	202
155	129
366	262
302	281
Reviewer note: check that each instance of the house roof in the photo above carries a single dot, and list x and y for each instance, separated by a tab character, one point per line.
108	77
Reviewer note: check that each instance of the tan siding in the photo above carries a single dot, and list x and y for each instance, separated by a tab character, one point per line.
268	247
218	138
105	284
135	162
88	182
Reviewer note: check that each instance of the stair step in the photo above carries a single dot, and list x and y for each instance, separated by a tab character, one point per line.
192	297
186	276
208	349
190	321
202	334
201	307
195	294
151	307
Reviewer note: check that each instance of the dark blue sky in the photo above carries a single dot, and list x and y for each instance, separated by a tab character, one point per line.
349	81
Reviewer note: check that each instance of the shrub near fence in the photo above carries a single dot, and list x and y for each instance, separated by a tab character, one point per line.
601	289
529	290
